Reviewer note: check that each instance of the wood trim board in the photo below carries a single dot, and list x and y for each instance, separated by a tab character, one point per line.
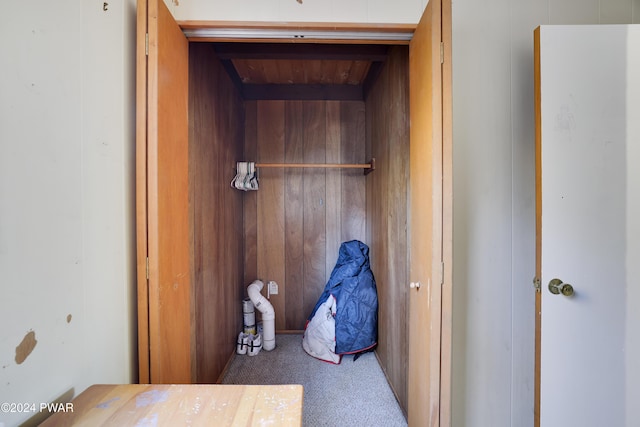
309	32
141	194
447	217
538	199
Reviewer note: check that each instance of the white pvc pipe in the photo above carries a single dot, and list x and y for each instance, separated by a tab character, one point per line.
268	314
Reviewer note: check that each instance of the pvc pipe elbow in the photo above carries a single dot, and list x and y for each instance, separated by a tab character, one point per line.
259	301
268	313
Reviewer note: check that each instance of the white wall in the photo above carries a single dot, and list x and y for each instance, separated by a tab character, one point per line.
66	198
360	11
632	345
494	216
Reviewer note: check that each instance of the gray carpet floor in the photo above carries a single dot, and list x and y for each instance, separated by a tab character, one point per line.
353	393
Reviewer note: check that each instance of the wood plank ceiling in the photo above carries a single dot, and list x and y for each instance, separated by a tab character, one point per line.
298	71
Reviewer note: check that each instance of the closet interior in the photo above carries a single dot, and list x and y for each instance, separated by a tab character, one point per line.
296	103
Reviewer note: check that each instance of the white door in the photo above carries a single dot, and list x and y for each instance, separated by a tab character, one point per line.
588	108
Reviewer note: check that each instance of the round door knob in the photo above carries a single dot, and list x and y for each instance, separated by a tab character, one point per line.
566	290
557	287
415	285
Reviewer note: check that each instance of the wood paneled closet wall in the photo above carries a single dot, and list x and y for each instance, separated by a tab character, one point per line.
299	217
290	229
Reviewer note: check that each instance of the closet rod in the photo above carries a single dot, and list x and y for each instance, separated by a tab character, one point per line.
369	167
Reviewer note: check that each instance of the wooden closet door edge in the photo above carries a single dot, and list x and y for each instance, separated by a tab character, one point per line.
447	217
141	194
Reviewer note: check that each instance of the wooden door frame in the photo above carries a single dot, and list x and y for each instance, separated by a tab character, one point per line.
538	201
310	32
444	380
446	344
141	196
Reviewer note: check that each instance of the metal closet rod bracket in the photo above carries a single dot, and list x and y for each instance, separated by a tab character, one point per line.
368	167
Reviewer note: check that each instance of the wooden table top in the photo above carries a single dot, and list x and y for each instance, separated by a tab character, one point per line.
184	405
